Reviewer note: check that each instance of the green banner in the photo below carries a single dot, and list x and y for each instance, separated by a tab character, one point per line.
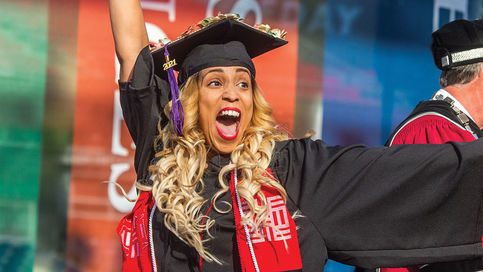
23	54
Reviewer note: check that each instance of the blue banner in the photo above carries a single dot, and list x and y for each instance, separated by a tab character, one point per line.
378	63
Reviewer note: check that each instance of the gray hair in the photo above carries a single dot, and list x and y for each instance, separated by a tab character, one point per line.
459	74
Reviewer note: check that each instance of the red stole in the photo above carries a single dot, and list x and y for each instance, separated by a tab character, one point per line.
278	248
270	250
134	233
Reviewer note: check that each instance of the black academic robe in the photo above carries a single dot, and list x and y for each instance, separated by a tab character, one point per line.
370	207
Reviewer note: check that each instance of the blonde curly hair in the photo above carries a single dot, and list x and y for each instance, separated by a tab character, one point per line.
178	171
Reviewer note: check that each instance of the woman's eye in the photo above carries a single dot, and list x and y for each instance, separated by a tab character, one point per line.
214	83
243	85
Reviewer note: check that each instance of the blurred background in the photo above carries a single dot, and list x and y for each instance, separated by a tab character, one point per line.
351	72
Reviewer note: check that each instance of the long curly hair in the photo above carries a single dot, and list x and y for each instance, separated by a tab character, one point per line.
178	170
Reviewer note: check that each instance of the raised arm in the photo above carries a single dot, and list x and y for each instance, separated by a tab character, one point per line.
129	31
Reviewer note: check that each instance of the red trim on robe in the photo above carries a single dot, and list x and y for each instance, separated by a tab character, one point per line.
431	129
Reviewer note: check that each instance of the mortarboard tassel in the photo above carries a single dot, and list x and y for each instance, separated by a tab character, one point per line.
177	113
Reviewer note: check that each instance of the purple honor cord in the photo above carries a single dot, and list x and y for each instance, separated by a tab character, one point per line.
177	113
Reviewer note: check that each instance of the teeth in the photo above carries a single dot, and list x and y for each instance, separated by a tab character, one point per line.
230	113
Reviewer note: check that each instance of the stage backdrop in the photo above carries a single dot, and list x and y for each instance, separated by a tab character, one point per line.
351	72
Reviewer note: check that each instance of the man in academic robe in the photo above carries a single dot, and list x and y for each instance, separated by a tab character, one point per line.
455	112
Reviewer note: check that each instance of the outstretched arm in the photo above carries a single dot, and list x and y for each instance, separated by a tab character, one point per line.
129	31
389	207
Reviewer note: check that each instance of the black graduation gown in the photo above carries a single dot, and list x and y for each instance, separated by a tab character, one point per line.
370	207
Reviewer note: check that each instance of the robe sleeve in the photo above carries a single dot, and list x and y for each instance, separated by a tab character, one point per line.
431	129
434	129
142	100
388	207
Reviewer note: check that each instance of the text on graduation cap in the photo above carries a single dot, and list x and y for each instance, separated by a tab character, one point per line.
169	63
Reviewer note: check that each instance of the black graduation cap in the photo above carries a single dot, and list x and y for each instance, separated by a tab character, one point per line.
224	40
457	43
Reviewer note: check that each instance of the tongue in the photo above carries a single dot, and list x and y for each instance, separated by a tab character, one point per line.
226	128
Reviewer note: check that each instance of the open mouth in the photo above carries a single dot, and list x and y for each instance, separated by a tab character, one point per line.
228	122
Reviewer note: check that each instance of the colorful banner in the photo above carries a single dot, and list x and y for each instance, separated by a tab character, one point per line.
63	141
23	61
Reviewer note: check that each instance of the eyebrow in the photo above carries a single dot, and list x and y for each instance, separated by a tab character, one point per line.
243	70
213	71
219	70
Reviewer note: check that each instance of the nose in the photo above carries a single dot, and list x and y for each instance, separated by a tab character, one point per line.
230	94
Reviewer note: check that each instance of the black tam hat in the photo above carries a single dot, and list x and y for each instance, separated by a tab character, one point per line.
218	41
223	40
457	43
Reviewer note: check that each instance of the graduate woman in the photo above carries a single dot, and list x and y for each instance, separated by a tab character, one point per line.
221	189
